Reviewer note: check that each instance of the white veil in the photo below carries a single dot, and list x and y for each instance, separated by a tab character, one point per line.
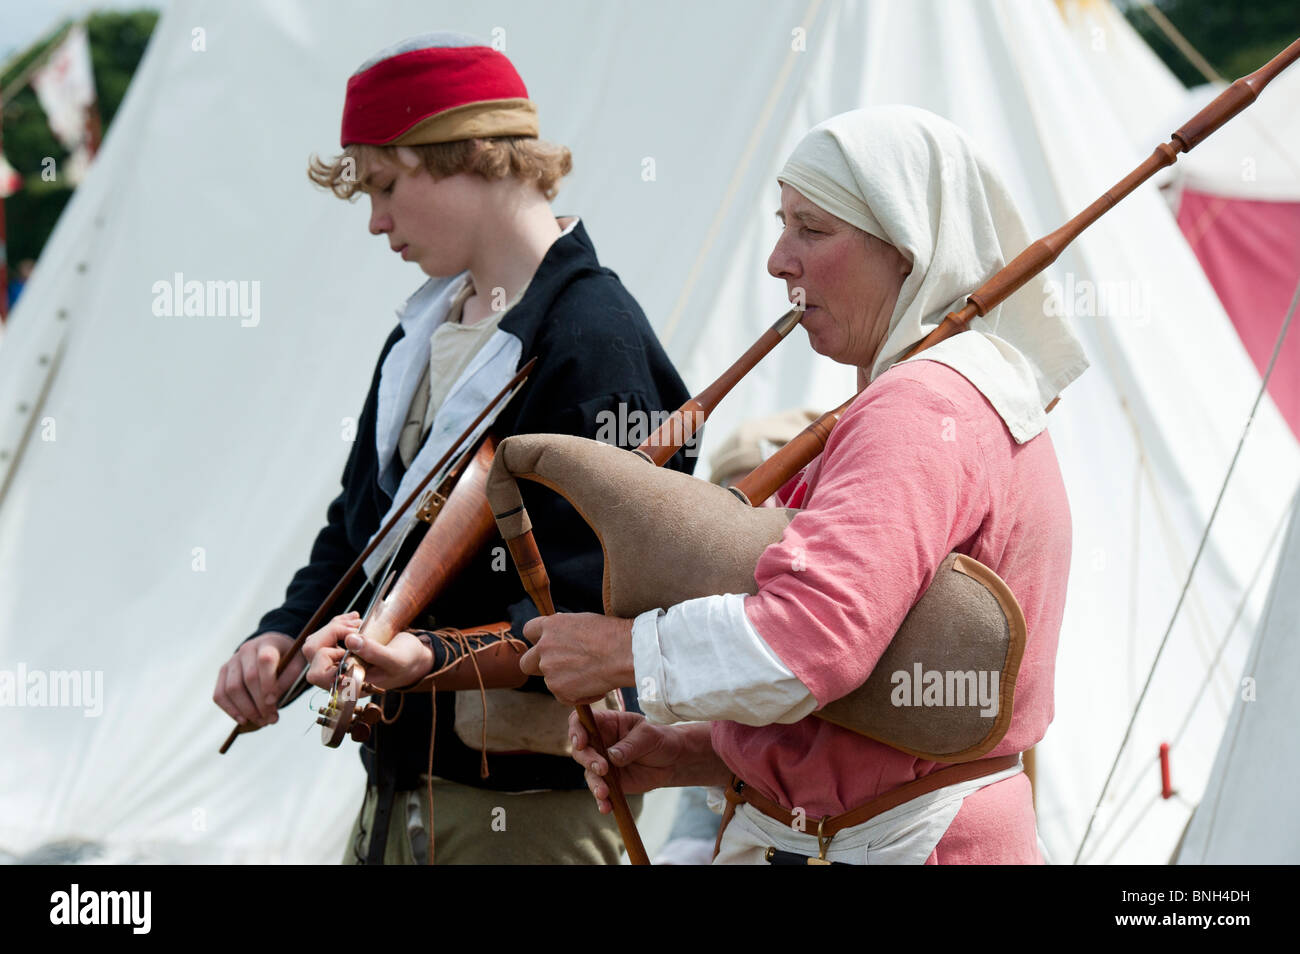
914	180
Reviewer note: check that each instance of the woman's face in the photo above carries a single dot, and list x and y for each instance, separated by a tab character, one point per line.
849	279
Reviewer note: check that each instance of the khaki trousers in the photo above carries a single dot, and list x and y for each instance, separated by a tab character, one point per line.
474	826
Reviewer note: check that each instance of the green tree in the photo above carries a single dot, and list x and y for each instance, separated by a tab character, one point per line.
1236	38
117	42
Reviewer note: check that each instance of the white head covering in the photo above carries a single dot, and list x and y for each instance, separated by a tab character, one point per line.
914	180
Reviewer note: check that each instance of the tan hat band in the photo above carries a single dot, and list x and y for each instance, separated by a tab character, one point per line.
502	117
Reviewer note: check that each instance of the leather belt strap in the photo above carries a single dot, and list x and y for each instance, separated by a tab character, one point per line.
387	790
826	828
385	769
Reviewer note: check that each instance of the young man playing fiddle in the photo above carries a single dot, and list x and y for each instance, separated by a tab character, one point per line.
439	132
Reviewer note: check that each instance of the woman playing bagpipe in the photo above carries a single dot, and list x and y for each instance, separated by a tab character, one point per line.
890	216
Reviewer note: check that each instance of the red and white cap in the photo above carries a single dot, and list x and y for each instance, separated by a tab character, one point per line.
436	87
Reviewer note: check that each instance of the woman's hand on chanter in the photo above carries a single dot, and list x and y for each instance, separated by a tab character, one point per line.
581	656
646	756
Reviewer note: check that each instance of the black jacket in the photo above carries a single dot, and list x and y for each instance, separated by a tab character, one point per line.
596	351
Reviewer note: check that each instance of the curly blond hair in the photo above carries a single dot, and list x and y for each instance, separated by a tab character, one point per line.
525	158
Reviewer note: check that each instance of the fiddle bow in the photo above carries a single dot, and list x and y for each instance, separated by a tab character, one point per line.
447	470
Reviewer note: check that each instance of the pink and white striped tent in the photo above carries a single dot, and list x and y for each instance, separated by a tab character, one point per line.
1238	204
1236	196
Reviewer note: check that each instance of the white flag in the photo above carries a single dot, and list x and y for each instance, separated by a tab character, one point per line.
65	86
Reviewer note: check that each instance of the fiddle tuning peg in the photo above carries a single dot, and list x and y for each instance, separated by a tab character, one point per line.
370	714
360	731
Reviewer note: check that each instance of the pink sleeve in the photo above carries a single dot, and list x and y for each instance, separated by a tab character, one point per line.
902	484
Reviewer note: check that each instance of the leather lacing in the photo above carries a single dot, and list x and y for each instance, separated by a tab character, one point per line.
456	646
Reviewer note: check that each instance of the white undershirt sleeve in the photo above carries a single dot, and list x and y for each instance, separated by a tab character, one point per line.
703	660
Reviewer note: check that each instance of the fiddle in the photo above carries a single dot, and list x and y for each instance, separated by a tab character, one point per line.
448	469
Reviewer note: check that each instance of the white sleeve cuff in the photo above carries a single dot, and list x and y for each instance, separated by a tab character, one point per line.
703	660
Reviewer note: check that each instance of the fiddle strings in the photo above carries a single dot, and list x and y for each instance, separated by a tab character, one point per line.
501	399
385	573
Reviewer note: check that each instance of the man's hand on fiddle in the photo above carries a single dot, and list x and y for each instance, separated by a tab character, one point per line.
581	655
404	660
247	689
323	650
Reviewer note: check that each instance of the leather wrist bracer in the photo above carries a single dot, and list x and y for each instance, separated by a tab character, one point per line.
451	647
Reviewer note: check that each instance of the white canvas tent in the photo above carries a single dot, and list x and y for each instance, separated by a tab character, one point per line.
1144	93
1257	158
1240	817
1236	196
1245	813
164	476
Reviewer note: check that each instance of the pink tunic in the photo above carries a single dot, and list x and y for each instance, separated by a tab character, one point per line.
920	465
